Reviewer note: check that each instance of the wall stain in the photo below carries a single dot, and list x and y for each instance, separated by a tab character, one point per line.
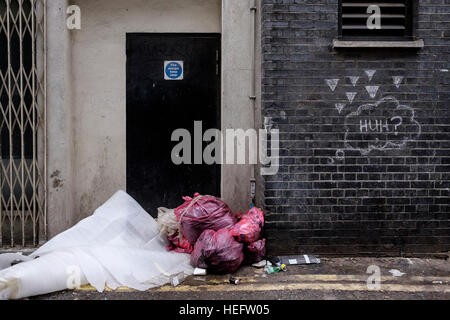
57	181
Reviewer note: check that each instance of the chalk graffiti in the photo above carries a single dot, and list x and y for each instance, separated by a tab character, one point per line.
354	80
372	91
340	155
397	81
351	96
380	126
332	83
383	125
370	74
340	107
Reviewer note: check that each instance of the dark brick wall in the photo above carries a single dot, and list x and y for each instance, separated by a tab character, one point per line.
333	197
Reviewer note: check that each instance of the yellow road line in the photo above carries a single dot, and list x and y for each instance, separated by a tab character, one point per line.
333	277
308	286
329	278
294	286
317	282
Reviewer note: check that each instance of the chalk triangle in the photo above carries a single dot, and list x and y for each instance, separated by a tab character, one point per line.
398	80
351	96
370	74
340	107
332	83
354	80
372	91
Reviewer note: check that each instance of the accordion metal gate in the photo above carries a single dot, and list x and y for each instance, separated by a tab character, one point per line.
22	123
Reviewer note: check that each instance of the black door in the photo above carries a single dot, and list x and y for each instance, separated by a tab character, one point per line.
157	105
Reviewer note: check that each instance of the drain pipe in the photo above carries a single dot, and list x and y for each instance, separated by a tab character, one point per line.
254	9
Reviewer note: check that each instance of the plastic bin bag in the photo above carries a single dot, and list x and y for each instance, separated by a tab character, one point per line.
167	222
203	213
249	227
217	252
178	245
255	252
119	246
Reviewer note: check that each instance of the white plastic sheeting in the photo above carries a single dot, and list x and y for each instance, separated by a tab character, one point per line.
119	246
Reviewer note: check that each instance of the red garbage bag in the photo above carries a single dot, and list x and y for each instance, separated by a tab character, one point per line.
178	245
203	213
248	229
255	252
217	252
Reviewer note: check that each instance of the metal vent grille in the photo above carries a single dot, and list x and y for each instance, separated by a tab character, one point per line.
396	19
22	122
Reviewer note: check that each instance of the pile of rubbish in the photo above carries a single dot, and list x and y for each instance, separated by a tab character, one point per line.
121	245
216	239
278	264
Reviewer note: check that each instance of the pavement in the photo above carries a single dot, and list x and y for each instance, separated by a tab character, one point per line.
333	279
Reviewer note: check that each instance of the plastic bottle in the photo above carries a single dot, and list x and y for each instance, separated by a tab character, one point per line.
272	269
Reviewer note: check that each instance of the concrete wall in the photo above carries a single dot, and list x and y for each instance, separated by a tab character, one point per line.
237	107
59	120
88	135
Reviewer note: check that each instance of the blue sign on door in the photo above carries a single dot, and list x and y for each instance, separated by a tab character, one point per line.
173	70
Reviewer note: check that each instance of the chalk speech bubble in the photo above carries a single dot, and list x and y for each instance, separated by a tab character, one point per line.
383	125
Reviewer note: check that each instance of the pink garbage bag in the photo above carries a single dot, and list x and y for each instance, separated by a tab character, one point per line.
249	227
217	252
179	245
203	213
255	252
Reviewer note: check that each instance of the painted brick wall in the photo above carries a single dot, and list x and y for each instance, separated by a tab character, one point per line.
344	187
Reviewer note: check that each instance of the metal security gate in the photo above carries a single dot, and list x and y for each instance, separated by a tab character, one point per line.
22	122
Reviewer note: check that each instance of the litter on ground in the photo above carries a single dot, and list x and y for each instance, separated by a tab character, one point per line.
396	273
304	259
121	245
260	264
200	272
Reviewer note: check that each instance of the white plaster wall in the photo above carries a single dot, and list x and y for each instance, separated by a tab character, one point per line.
90	106
99	83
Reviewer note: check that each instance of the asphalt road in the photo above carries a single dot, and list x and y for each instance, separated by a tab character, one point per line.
333	279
